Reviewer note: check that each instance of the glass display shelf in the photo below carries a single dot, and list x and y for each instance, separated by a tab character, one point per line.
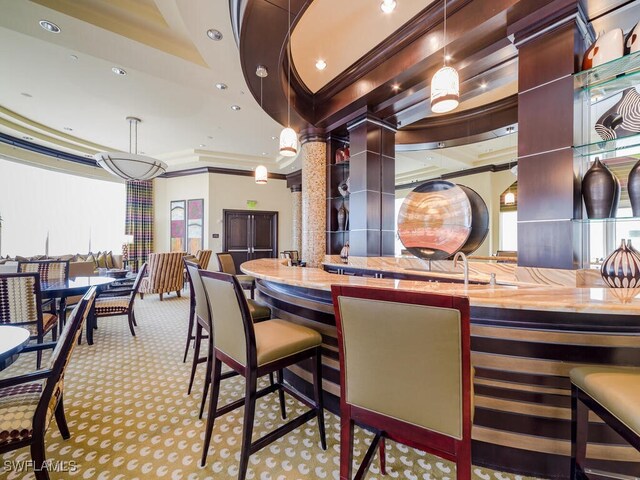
626	220
608	73
629	145
346	163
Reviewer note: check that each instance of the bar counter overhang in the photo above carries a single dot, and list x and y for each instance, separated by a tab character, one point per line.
525	340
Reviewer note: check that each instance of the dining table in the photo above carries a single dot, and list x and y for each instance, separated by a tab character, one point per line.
71	287
12	340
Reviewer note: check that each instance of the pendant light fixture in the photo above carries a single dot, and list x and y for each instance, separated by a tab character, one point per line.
445	84
261	173
131	166
288	136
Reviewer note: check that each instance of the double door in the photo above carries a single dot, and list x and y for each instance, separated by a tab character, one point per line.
249	235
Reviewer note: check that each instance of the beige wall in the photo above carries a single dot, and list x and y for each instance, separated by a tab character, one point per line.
221	192
489	185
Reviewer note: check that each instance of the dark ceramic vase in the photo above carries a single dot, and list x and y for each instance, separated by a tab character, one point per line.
621	269
633	187
601	191
342	217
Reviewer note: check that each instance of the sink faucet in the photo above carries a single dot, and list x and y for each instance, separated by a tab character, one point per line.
465	264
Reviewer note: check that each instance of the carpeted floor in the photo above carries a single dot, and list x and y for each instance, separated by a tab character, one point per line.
130	417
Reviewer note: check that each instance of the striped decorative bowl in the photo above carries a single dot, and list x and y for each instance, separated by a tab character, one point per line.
621	269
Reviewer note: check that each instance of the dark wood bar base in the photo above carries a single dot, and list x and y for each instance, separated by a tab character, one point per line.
522	390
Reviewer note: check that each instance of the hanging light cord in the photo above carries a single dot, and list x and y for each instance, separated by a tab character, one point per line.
289	75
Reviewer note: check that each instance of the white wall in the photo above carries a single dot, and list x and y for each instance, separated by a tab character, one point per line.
221	192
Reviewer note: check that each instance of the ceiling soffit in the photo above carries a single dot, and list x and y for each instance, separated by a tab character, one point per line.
342	32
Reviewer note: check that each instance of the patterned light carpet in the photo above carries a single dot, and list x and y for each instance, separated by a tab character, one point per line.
130	417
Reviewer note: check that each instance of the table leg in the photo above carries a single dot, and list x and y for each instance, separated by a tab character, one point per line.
62	313
91	320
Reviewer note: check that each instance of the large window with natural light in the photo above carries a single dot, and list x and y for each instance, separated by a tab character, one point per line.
509	231
75	213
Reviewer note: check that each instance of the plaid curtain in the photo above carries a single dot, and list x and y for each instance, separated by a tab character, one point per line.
139	221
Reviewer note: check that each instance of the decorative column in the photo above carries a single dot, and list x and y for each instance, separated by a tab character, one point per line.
314	215
372	188
296	208
550	42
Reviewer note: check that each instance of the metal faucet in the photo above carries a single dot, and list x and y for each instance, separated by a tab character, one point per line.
465	264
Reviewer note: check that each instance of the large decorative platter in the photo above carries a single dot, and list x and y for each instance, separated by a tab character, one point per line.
479	221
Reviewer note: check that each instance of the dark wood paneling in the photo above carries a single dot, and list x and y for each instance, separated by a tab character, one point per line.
548	244
547	187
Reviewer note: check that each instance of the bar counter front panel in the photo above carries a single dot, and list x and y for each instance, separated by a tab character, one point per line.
524	343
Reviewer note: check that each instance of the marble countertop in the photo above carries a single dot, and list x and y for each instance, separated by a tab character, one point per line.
524	297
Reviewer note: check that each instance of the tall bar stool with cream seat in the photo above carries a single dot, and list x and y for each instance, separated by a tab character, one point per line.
390	342
227	266
254	350
612	393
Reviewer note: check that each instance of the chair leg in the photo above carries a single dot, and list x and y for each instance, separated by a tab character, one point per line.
39	354
383	457
178	293
579	432
141	296
247	427
160	297
253	287
317	390
207	379
133	316
131	322
61	420
196	355
192	316
346	445
283	408
38	457
463	461
213	407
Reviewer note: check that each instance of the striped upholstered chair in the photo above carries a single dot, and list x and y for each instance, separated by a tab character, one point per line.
29	401
203	257
119	302
21	305
165	274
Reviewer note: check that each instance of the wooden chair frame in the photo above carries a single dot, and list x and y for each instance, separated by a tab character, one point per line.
581	403
251	371
444	446
52	376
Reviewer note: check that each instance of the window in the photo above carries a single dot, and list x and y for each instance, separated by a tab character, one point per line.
509	231
76	213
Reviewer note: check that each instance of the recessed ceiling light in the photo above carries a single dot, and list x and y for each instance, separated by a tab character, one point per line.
483	85
447	57
235	107
25	94
68	129
214	34
264	153
49	26
273	137
321	64
118	71
73	57
202	145
388	6
221	86
28	138
395	87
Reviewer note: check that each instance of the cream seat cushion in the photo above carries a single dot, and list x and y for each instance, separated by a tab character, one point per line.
617	389
276	339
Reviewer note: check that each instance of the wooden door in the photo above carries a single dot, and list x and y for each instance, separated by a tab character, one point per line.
250	234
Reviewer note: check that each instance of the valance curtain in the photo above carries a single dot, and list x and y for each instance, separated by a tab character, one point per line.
139	220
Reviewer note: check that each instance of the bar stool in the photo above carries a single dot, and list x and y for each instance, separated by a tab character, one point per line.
254	350
392	341
612	393
227	266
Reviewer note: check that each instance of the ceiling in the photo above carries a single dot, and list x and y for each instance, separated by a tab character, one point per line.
343	38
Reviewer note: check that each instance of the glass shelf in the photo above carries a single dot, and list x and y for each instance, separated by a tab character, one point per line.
610	220
608	73
632	143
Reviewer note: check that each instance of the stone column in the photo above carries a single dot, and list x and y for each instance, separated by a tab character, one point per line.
296	208
314	214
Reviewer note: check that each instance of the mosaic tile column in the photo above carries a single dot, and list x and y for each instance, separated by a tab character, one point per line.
296	208
314	214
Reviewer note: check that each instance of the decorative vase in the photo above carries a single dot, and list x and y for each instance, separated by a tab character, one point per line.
347	152
633	188
632	40
623	119
344	253
607	47
621	269
340	156
343	188
342	217
601	191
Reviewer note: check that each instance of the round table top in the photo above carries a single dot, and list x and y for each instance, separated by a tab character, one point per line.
12	339
73	286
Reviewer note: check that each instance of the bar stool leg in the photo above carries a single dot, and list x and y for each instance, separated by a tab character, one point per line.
579	432
317	390
213	407
249	413
383	458
196	355
346	446
207	379
192	315
283	408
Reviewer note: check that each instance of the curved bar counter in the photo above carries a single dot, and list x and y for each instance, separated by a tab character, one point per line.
525	340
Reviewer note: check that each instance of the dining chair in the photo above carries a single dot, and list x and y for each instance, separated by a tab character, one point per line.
51	271
165	274
392	341
21	304
293	255
29	401
253	350
203	257
225	260
118	301
200	313
612	394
